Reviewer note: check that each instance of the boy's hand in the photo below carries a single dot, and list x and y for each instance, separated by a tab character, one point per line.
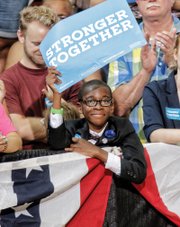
48	92
52	78
84	147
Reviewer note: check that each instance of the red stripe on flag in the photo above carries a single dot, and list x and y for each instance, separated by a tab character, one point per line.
149	190
95	188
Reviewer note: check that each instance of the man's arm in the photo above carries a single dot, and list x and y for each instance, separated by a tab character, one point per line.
176	5
127	95
165	135
29	128
98	75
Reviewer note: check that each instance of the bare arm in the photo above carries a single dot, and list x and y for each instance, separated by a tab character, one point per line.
98	75
29	128
176	5
126	96
171	136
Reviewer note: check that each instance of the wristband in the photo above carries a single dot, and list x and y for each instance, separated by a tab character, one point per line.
57	111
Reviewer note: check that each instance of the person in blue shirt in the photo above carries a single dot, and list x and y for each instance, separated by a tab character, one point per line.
131	1
129	74
162	106
9	22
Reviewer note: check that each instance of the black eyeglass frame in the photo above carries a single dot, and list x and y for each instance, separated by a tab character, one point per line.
93	102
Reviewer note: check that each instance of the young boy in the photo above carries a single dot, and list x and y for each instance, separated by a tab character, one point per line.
98	129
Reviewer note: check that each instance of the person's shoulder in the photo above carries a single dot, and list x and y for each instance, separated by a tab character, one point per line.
75	122
73	126
10	71
14	55
158	86
121	124
162	82
117	120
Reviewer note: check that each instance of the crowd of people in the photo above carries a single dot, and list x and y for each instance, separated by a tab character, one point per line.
132	100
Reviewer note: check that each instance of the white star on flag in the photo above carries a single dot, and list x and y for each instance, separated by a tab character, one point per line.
22	210
28	170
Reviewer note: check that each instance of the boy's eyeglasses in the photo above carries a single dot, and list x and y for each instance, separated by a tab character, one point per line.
92	102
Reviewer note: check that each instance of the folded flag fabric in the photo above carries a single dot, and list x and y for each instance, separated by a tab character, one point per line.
72	190
162	184
48	191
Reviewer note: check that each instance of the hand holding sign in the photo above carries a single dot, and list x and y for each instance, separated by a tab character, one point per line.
51	79
85	42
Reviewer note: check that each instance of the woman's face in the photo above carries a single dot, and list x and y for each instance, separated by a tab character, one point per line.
97	115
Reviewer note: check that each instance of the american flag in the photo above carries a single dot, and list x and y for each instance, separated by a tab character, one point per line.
72	190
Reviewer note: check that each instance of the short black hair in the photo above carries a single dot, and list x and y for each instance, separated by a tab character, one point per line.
92	85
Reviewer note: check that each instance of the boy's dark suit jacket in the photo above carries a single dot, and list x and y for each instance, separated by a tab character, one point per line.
133	164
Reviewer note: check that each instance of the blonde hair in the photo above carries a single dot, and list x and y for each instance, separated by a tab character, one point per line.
43	14
71	112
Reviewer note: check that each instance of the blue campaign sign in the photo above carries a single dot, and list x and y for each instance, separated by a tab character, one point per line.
89	40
